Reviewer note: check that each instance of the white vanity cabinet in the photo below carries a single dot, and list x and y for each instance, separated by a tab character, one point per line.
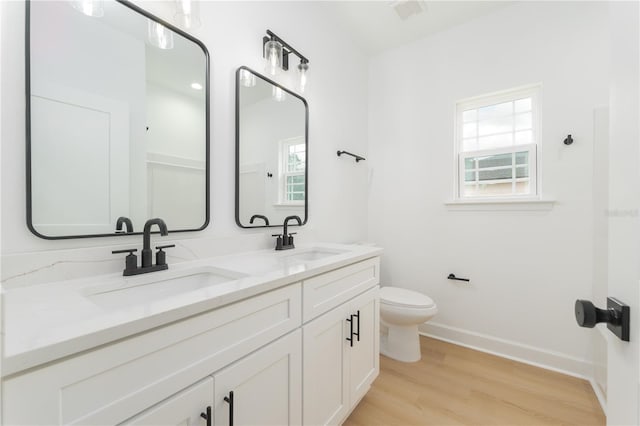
282	354
265	388
340	347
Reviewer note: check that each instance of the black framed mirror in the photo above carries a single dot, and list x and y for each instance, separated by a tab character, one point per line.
272	152
117	121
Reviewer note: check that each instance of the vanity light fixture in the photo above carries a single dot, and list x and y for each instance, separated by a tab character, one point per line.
159	35
196	86
276	51
89	7
187	14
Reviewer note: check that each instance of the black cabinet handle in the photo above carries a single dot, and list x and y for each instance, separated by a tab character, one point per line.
229	399
207	416
350	338
357	333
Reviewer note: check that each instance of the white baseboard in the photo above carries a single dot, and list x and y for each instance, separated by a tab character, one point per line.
512	350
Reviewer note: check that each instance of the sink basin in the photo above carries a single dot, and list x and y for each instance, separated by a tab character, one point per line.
310	255
156	286
290	260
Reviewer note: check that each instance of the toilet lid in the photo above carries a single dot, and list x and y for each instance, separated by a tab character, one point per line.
402	297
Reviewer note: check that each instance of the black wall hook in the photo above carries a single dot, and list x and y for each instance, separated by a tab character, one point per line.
568	140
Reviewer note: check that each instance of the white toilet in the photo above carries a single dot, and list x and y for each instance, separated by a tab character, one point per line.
401	311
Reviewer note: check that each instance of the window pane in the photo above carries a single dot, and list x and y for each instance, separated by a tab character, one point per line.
523	188
487	189
497	125
522	172
522	157
469	176
524	137
523	121
495	141
469	130
495	161
495	174
497	110
469	163
470	115
523	105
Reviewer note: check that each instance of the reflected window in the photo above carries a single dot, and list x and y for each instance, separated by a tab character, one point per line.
293	161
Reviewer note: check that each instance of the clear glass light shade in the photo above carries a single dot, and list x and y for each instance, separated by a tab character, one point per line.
247	79
273	56
303	68
159	35
187	14
89	7
278	94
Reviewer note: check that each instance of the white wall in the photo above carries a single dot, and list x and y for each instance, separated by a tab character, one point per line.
526	267
232	32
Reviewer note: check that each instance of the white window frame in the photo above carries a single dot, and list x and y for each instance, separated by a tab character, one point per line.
534	92
284	153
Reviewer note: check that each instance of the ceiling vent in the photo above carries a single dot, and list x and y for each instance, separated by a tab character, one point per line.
407	8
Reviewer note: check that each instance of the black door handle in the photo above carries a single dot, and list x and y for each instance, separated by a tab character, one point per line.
616	316
229	399
207	416
357	333
350	338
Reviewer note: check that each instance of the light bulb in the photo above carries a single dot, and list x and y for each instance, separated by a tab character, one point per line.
303	67
196	86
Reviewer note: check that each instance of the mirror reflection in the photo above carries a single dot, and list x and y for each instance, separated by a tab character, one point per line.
271	152
118	121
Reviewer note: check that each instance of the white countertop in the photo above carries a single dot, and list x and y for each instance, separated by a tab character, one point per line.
49	321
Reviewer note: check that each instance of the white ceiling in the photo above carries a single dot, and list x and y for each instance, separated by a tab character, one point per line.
375	26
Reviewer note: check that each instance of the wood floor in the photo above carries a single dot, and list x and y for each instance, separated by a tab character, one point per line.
453	385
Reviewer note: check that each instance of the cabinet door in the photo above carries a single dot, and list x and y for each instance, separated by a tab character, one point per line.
266	386
326	398
182	409
364	355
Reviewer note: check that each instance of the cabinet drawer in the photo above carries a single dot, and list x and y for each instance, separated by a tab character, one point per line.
324	292
113	383
184	408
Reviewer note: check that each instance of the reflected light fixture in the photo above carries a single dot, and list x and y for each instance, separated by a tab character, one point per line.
278	94
159	35
276	52
89	7
196	86
187	14
247	79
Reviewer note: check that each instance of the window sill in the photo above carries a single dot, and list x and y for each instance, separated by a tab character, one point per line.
500	205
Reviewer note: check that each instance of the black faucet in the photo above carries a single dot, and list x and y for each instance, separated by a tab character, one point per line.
122	220
147	265
284	241
259	216
146	239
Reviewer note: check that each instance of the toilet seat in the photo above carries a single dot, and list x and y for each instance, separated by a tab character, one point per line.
401	297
